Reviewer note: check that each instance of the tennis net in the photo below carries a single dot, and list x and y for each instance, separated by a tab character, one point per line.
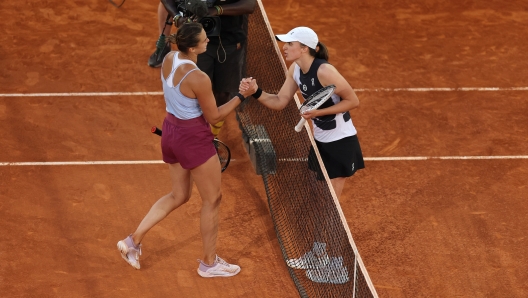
314	237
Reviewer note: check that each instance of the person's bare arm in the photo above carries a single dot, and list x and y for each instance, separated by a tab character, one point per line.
280	101
202	88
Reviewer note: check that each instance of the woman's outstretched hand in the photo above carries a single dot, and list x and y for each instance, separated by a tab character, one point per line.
248	86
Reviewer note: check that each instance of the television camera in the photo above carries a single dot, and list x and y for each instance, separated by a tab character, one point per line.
198	9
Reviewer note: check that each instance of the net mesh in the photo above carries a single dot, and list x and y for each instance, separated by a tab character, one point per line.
309	223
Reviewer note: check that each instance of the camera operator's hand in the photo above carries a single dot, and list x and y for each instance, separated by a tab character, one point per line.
212	11
179	20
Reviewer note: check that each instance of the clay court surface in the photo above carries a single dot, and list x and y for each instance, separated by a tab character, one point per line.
424	228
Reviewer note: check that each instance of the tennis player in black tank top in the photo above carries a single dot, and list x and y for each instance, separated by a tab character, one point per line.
334	132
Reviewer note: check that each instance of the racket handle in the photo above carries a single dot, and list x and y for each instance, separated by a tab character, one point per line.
300	125
155	130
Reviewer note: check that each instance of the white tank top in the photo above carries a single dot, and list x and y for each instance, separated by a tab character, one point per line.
179	105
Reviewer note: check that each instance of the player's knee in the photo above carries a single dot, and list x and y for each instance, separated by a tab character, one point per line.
180	197
216	202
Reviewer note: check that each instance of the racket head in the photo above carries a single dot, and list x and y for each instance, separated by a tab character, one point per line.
317	99
224	154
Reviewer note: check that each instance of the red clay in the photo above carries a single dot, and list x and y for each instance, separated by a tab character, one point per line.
433	228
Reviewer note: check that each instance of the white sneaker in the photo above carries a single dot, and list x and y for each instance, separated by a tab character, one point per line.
316	258
333	273
220	268
129	252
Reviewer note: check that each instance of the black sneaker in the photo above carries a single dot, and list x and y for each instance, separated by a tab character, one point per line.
156	58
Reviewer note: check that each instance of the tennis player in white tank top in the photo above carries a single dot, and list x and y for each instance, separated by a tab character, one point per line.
179	105
188	149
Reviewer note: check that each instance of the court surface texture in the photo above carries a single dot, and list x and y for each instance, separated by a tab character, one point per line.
439	211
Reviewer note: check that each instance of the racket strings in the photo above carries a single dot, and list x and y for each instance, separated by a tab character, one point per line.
223	152
317	97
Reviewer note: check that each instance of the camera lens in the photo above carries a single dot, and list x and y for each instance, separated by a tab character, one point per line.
208	24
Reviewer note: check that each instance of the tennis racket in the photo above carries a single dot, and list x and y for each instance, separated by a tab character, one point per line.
223	152
314	102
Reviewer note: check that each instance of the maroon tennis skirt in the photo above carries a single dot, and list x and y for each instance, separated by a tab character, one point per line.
188	142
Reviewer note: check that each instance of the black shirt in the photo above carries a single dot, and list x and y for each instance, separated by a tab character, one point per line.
233	29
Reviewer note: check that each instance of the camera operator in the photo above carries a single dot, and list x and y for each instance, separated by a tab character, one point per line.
224	60
165	26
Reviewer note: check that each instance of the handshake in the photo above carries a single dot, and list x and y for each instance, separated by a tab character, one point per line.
248	86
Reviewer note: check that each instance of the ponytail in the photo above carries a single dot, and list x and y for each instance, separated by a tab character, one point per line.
322	53
187	36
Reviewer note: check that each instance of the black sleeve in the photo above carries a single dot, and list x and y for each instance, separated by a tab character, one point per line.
170	6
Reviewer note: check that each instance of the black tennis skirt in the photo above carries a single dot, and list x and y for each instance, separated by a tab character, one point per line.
341	158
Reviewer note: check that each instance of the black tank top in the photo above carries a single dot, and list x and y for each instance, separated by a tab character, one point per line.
327	128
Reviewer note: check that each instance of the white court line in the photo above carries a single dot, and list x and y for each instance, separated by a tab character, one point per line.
82	163
156	93
85	163
81	94
446	157
140	162
425	158
442	89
